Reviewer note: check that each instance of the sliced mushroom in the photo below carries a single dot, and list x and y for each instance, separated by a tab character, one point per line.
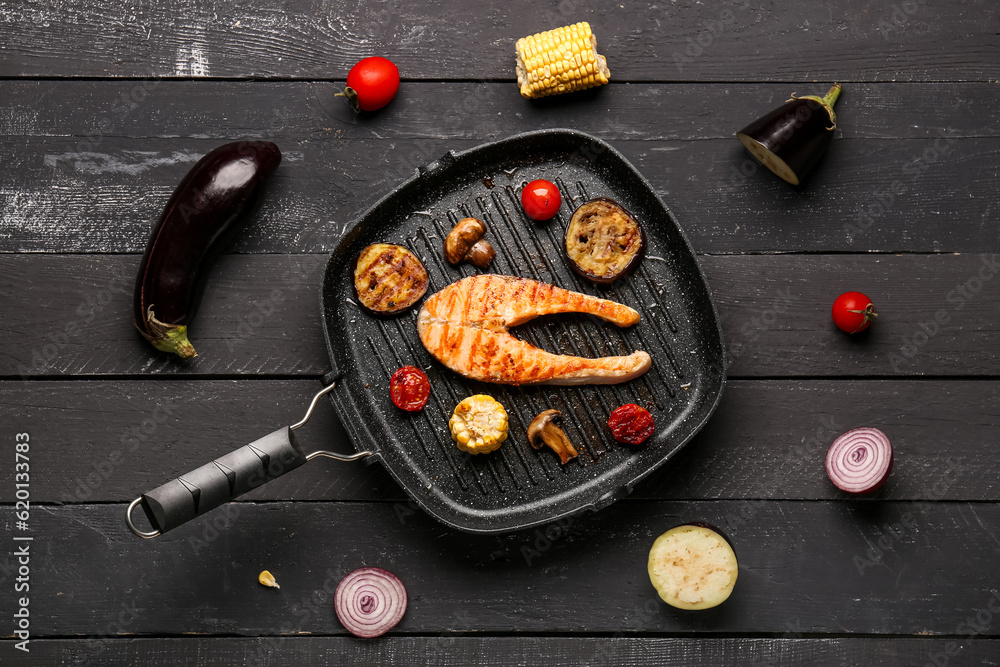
465	243
544	429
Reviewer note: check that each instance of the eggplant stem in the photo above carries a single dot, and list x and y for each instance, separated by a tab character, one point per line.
827	101
831	97
167	337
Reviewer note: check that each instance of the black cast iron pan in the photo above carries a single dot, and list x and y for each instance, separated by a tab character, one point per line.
515	487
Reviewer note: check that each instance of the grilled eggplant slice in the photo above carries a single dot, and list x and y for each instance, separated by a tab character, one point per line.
388	279
604	241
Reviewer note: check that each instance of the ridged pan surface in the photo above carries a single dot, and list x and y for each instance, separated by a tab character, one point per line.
517	486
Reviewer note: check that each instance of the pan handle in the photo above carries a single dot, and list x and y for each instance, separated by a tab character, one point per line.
216	483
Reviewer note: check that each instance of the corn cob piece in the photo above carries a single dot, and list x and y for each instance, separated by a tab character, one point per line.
479	424
560	61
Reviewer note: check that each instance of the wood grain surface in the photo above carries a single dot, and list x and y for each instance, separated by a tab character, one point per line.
448	650
103	109
930	194
72	315
643	41
815	567
765	442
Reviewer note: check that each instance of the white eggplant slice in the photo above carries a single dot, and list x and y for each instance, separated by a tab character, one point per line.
692	567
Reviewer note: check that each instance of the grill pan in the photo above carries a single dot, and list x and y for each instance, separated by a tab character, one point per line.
516	486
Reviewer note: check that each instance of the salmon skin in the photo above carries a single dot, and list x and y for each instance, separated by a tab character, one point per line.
464	326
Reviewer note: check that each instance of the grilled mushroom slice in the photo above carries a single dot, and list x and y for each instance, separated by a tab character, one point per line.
604	241
465	243
388	279
545	430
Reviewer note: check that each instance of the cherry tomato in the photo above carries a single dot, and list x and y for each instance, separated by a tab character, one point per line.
541	199
372	83
631	424
853	312
409	388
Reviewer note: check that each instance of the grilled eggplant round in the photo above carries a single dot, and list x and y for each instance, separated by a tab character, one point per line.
388	279
604	241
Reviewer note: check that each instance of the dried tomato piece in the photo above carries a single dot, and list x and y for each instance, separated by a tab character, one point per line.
409	388
631	424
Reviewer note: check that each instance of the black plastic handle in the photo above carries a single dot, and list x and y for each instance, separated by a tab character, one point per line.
216	483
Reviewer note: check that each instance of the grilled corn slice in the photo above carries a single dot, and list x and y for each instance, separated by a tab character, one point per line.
479	424
560	61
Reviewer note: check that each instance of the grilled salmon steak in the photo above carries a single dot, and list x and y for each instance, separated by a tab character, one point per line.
464	326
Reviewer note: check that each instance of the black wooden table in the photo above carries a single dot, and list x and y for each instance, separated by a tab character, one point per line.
105	106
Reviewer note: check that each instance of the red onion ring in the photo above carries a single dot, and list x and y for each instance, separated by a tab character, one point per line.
859	461
370	601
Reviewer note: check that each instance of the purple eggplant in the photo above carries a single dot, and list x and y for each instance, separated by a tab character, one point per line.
206	210
791	139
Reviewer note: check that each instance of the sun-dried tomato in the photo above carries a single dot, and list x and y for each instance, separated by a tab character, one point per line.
631	424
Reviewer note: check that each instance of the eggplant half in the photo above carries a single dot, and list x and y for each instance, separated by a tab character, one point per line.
388	279
604	241
206	210
791	139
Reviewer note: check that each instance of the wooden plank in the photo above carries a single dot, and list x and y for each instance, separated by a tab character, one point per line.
60	194
297	110
447	650
69	314
804	568
766	440
849	39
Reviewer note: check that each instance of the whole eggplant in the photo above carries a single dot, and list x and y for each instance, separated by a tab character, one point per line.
204	212
791	139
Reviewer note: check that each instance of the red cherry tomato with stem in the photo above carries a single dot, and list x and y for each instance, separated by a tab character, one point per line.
853	312
409	388
631	424
541	200
371	84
